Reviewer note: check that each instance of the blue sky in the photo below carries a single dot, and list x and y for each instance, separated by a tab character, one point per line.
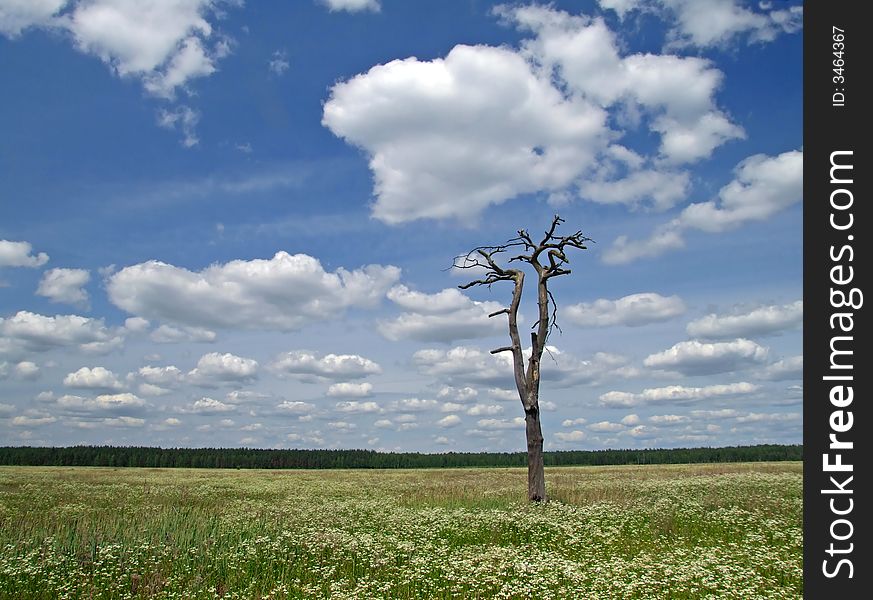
228	223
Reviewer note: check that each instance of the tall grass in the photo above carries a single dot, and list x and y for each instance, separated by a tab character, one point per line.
679	531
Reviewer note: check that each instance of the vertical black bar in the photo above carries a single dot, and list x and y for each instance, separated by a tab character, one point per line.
837	64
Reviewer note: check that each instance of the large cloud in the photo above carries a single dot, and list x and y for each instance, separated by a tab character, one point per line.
762	186
698	358
445	316
449	137
633	310
285	292
764	320
20	254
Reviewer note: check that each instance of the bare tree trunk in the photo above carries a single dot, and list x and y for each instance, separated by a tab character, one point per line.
536	477
527	381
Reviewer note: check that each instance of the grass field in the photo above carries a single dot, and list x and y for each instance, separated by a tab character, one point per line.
660	532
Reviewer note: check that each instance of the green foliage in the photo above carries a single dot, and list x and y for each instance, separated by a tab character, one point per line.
248	458
633	532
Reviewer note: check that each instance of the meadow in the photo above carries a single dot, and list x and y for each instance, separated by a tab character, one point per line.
626	532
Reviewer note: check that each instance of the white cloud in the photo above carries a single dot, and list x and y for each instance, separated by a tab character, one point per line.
352	5
350	390
462	394
764	320
136	324
697	358
449	137
30	332
96	378
295	407
206	405
123	421
445	316
463	364
167	334
215	368
500	424
481	410
669	419
785	369
18	15
26	370
355	407
571	436
631	420
65	285
663	189
35	421
762	186
573	422
183	118
169	376
279	63
708	23
675	394
449	421
632	310
20	254
413	404
606	427
162	42
283	293
311	366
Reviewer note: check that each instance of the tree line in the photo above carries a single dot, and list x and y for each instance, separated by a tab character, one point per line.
248	458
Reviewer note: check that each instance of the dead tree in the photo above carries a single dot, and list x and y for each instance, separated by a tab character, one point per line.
549	259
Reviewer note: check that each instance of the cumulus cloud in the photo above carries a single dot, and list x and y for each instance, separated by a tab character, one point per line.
785	369
606	427
18	15
661	189
19	254
463	366
762	186
413	405
763	320
31	332
449	421
633	310
283	293
449	137
295	407
352	5
167	334
446	316
715	23
215	368
65	285
356	407
96	378
351	390
311	366
571	436
698	358
675	394
206	405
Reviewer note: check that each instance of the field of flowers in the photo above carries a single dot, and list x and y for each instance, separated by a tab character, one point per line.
659	532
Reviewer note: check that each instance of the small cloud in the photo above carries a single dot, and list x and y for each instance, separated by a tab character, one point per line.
279	62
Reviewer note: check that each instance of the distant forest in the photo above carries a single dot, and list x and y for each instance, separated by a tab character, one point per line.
245	458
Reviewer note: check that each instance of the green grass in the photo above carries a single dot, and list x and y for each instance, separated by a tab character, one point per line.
660	532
